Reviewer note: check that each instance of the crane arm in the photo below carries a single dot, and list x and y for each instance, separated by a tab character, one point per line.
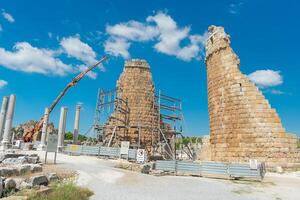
29	135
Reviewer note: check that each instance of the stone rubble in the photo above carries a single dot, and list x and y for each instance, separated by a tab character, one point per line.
52	177
10	184
38	180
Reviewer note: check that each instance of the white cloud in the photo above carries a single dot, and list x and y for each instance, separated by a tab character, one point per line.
234	8
74	47
133	30
160	28
117	47
8	16
3	83
266	78
170	35
1	29
27	58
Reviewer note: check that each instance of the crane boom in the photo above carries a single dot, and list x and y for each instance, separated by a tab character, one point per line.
29	135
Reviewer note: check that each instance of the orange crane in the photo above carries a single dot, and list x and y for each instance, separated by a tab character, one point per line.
29	135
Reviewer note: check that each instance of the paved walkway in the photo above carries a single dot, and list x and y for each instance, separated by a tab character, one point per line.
111	183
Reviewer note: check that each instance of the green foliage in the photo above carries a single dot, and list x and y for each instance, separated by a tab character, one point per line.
69	136
187	140
298	145
81	138
63	191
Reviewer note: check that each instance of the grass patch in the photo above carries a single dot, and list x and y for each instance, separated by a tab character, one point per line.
254	183
63	191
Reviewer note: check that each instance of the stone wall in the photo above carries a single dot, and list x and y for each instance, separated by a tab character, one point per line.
243	125
136	86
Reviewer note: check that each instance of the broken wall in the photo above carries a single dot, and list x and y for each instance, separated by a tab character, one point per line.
243	125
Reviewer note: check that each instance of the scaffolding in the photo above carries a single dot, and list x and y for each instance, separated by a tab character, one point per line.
111	122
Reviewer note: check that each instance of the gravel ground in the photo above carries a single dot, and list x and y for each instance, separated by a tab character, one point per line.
111	183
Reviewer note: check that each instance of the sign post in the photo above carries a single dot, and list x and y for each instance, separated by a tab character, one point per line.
124	148
140	155
253	164
51	146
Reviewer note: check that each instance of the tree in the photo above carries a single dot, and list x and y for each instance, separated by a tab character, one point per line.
69	135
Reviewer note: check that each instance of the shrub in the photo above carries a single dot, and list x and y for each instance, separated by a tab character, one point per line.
64	191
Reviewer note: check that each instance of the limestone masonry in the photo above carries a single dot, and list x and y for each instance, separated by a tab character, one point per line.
136	86
243	125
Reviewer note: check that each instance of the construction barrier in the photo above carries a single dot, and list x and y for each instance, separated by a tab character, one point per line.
213	169
113	152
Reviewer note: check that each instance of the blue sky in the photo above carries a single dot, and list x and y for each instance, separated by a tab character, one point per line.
43	44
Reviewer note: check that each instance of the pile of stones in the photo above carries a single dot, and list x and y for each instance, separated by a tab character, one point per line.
16	171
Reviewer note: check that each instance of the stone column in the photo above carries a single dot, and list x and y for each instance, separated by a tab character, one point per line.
8	121
62	127
44	129
2	115
76	124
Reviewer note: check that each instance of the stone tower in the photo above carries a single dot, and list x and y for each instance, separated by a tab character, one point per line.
136	86
243	125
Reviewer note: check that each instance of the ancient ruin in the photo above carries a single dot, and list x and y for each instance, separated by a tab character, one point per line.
142	117
243	125
136	86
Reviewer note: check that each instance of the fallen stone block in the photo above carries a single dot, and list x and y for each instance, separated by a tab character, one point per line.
4	156
52	177
19	160
24	169
19	182
7	171
33	159
38	180
35	168
10	184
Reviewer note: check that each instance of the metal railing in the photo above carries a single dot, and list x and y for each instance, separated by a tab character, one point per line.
213	169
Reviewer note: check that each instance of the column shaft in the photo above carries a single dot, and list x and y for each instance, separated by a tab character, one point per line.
62	126
2	115
9	119
76	124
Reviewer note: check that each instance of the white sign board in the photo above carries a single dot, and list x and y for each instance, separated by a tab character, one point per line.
18	144
140	155
52	143
124	147
253	164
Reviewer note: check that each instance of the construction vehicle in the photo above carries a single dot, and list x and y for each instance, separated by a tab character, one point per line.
28	137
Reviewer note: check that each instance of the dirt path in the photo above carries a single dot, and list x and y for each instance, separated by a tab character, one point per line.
111	183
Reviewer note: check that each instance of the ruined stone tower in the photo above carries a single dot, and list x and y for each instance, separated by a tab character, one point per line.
136	86
243	125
